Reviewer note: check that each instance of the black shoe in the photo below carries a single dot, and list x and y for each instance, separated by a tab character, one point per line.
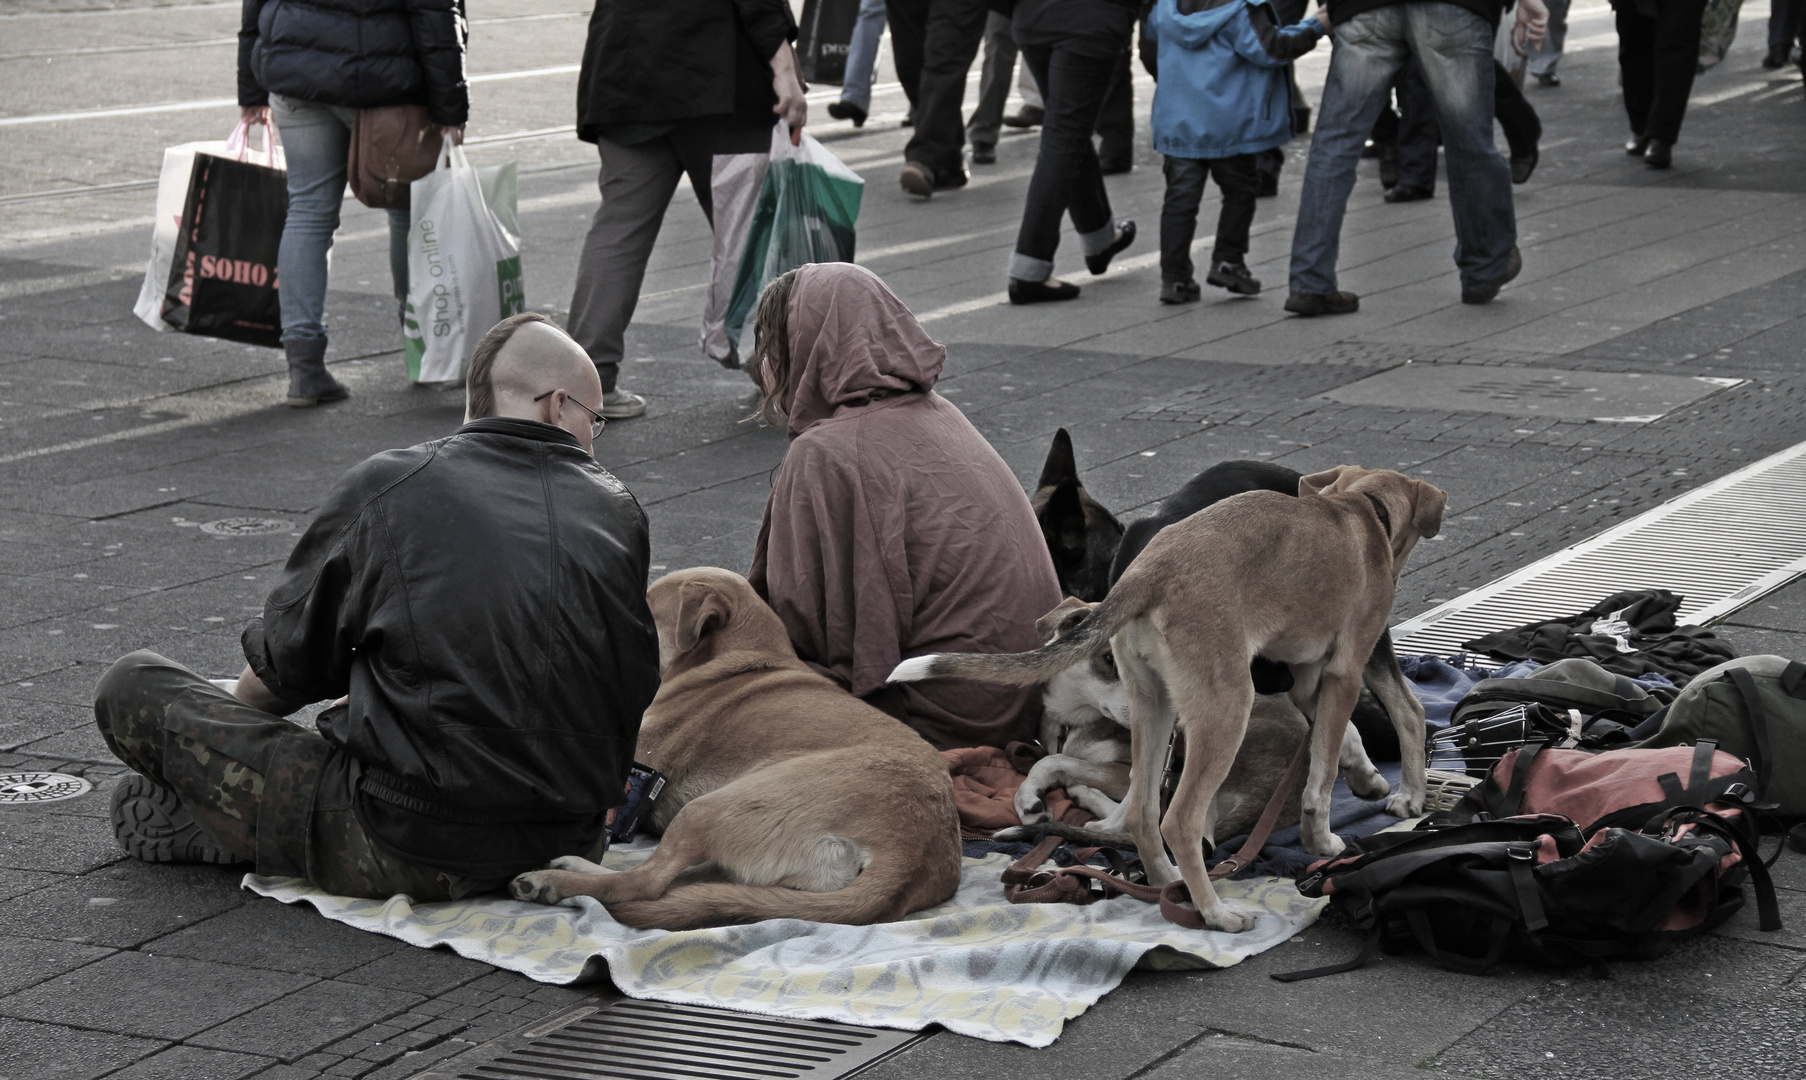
1636	146
1027	117
1179	292
1409	193
1522	167
1269	186
152	826
1388	156
309	383
1485	293
984	155
1310	305
846	110
1125	235
1659	155
1235	277
1776	57
1548	78
1115	166
917	179
1040	292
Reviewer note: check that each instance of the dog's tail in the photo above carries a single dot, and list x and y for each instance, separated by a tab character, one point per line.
1019	834
874	896
1087	639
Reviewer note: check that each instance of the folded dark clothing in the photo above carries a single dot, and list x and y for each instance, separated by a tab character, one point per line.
1629	633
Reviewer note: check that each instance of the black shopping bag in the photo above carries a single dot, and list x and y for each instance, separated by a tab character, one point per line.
222	280
826	32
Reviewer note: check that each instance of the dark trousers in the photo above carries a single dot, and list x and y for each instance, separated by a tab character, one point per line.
1419	135
1784	22
1238	178
1658	58
262	788
1067	179
934	43
1116	116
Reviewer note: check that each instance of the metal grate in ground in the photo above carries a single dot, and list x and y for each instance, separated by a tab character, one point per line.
651	1040
1720	546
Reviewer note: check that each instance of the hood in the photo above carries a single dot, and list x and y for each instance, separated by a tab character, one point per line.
1191	23
849	336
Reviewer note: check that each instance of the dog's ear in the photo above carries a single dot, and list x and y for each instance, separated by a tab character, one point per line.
701	610
1061	465
1057	622
1063	524
1427	506
1316	482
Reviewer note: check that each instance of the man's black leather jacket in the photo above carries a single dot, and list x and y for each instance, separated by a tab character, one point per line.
482	599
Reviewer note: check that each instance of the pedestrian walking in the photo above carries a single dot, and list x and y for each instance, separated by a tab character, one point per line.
1658	55
986	124
1547	54
1073	47
1115	120
666	89
855	102
934	43
309	68
1224	96
1453	42
1784	29
1419	135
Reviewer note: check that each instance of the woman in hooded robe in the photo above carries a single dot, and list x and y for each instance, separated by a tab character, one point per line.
893	528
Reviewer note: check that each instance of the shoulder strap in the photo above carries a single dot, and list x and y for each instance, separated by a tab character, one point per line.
1513	800
1752	703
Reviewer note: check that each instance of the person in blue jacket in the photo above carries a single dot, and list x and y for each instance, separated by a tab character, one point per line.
1223	97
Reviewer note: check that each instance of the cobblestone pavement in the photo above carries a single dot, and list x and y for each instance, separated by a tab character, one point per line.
122	451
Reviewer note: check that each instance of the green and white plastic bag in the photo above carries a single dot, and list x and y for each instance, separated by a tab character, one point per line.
808	212
464	272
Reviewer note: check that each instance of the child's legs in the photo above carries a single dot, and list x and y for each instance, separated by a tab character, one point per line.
1239	179
1185	179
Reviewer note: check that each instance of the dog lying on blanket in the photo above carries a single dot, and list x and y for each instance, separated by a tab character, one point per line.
1305	581
786	797
1084	715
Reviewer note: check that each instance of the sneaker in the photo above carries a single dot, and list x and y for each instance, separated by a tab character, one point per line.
1484	293
152	826
846	110
1179	292
1235	277
1026	117
621	405
1125	235
1310	305
917	179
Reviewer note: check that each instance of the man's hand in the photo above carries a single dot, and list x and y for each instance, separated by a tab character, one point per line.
1322	17
792	106
1534	18
452	133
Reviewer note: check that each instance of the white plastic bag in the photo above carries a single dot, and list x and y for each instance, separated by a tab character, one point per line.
734	188
172	196
464	271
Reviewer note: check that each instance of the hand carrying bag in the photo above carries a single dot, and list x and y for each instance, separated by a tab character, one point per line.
391	147
464	272
222	275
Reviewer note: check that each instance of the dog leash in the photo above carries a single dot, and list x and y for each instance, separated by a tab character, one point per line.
1025	883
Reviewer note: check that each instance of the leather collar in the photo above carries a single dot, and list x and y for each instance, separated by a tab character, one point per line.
520	429
1379	509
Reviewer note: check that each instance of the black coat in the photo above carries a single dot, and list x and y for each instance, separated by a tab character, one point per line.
657	62
357	53
482	599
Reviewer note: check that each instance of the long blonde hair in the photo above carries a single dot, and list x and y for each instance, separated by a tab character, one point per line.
769	364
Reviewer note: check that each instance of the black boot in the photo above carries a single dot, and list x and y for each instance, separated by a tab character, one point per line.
309	383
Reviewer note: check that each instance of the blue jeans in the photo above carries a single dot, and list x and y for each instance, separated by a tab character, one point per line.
317	140
862	55
1454	47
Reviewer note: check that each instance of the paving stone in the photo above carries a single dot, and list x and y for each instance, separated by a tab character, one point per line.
423	971
33	839
1217	1054
196	1063
137	993
1783	609
280	937
147	902
53	1052
27	961
308	1020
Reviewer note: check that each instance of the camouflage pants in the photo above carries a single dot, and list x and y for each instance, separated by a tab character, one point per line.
274	793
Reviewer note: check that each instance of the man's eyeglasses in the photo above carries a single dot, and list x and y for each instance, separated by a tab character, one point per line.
596	425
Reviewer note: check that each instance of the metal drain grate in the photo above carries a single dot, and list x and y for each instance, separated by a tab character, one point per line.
247	526
651	1040
1720	546
37	787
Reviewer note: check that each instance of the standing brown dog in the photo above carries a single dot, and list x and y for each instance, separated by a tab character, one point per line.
787	797
1307	582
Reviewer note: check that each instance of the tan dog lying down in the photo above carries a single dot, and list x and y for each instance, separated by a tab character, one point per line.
788	798
1307	582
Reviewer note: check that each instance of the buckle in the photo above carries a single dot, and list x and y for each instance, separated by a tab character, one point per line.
1522	853
1739	791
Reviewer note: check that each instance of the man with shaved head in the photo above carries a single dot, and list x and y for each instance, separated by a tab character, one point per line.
474	608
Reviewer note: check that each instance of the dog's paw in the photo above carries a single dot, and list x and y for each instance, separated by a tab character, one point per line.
1031	808
576	865
1328	848
1371	786
535	887
1405	805
1228	919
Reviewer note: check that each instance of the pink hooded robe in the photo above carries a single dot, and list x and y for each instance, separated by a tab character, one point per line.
893	528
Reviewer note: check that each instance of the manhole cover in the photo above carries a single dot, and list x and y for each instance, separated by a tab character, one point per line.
247	526
36	787
1571	395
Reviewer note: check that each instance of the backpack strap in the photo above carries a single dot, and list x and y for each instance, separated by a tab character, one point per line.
1369	950
1744	836
1522	863
1466	965
1513	800
1752	703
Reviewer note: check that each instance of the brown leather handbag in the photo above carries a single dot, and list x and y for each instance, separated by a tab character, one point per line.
391	147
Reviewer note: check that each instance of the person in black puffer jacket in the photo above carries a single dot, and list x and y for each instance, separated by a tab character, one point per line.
313	63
